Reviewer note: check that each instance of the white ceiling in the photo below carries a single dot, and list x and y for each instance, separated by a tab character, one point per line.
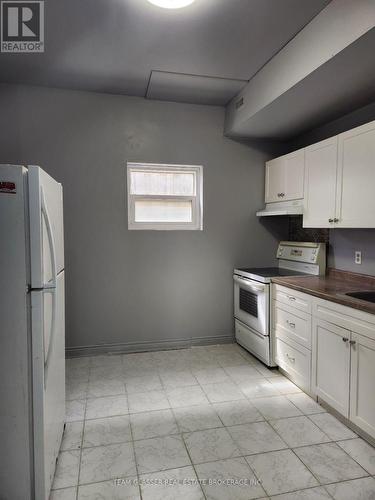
132	47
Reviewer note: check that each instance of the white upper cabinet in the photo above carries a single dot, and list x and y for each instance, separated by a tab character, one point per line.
285	177
355	200
320	184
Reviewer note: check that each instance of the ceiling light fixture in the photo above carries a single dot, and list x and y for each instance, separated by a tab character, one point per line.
171	4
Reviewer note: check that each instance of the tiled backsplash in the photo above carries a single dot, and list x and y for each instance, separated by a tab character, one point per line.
299	233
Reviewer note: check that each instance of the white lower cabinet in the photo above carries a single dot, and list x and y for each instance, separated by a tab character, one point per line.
331	365
295	360
362	380
341	363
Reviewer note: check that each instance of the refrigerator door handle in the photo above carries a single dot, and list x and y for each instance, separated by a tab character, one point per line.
52	334
51	240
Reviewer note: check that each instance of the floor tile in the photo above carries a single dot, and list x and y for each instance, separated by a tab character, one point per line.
211	444
265	370
65	494
160	453
153	424
109	406
237	412
299	431
67	469
109	430
306	404
276	407
147	401
72	437
329	463
182	485
332	427
74	363
211	375
120	489
243	373
256	438
76	389
259	387
280	472
358	489
196	418
105	360
105	387
186	396
318	493
106	372
217	477
362	452
75	410
223	391
143	384
172	379
231	359
284	385
107	462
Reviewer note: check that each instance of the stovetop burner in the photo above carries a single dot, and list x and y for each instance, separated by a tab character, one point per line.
271	272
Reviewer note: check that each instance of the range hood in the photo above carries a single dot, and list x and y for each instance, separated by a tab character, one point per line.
282	208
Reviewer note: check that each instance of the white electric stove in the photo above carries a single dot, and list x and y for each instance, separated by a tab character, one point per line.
252	291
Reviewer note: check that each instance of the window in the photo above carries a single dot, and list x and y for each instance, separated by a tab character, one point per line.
164	196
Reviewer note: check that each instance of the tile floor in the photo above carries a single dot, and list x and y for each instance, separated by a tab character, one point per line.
183	424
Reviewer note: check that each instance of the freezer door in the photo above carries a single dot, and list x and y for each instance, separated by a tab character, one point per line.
48	345
46	228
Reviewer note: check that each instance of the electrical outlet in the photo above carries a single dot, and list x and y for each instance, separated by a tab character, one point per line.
358	257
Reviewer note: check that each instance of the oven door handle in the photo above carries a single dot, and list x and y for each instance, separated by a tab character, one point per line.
249	284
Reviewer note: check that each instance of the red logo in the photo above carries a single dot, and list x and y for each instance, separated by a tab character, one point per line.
7	187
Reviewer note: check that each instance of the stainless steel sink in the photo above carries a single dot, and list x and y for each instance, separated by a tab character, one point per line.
368	296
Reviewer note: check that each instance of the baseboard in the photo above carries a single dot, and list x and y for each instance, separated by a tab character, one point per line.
160	345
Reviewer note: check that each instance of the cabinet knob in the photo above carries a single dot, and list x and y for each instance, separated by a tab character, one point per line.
330	220
335	220
345	339
352	342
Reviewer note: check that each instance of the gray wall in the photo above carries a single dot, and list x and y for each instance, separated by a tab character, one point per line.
141	286
343	242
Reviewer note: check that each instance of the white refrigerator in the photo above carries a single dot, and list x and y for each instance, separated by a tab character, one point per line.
32	331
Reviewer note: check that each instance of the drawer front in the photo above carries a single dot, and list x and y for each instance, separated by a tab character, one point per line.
294	323
295	360
257	344
299	300
346	317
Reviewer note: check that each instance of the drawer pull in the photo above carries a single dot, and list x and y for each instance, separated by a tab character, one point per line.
290	297
290	358
345	339
292	325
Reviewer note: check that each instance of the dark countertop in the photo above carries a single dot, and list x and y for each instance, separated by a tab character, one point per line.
333	286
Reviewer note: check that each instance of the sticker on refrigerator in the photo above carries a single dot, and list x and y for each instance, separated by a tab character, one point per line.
8	187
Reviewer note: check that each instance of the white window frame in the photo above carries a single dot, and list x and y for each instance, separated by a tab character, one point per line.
197	200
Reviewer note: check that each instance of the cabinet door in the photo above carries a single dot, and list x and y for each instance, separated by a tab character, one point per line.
362	400
355	206
331	365
294	175
320	184
275	180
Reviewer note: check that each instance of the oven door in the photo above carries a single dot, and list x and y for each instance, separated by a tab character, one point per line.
251	303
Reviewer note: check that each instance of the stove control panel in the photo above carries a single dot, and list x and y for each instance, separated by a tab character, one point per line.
303	252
